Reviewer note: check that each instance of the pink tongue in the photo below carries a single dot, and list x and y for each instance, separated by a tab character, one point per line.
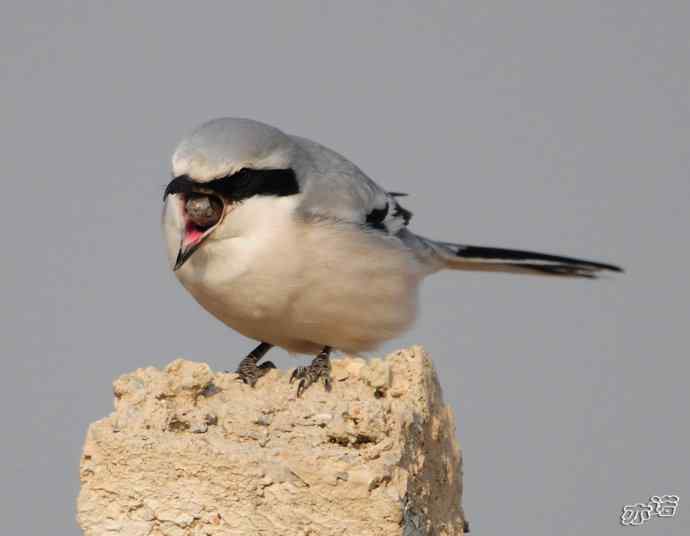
192	234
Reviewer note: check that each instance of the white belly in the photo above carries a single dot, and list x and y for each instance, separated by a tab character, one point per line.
302	286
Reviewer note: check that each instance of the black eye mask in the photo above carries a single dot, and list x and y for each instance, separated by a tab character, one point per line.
244	184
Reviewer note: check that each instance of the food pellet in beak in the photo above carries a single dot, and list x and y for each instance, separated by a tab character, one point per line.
204	210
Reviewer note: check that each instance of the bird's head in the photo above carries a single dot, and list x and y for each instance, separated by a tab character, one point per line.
218	166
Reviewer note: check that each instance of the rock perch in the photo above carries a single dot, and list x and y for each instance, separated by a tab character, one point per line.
192	452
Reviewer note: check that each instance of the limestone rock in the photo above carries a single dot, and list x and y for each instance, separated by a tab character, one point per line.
190	452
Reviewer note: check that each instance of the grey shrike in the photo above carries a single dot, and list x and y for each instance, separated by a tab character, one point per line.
290	244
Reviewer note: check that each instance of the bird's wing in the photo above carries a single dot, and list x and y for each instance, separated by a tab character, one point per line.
334	188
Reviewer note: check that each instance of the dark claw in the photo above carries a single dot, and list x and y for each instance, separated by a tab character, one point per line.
301	387
248	371
250	375
320	368
298	373
301	374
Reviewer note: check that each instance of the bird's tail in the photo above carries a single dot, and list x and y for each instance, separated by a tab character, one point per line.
478	258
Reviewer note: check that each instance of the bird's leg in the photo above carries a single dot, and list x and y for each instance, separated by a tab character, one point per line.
247	368
320	368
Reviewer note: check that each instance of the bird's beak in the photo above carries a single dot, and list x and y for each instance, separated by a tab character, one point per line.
192	238
183	237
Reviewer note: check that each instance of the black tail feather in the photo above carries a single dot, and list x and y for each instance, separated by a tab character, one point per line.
461	257
479	252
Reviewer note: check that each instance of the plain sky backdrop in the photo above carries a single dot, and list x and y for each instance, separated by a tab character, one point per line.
557	126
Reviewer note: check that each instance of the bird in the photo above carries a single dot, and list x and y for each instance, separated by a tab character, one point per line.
291	244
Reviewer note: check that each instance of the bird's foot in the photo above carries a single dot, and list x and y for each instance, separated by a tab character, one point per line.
320	368
249	371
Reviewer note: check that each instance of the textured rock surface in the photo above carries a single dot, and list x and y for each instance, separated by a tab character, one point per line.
192	452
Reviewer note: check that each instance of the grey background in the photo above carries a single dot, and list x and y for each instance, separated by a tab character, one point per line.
559	126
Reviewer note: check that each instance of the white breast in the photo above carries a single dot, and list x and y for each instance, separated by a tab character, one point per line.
301	286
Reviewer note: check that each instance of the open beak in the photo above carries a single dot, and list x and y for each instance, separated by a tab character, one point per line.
192	238
183	236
